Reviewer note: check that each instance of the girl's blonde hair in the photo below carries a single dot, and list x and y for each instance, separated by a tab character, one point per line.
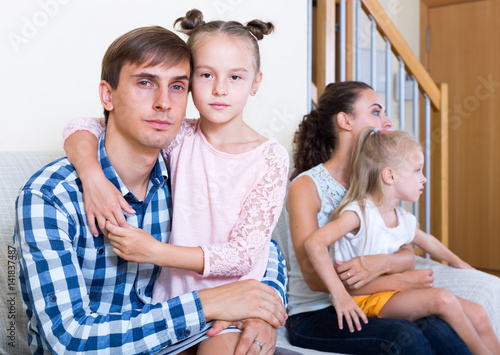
193	25
375	151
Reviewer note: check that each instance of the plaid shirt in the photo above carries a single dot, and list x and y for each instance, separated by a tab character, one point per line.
80	296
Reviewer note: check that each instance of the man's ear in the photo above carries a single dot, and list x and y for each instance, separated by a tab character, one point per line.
344	121
256	84
106	95
388	176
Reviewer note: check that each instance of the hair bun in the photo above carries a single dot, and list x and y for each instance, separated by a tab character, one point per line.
190	22
259	28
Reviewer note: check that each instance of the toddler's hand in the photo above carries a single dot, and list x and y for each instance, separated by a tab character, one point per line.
460	264
346	307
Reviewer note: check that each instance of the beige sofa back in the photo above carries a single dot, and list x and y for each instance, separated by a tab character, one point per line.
15	169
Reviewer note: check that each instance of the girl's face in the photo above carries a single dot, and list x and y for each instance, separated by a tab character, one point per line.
408	179
369	111
223	77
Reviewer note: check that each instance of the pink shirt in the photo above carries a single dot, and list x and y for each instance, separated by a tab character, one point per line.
226	203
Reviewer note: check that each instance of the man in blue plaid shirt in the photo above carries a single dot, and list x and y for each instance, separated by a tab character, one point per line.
80	296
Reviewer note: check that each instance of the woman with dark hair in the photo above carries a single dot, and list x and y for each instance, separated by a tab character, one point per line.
323	148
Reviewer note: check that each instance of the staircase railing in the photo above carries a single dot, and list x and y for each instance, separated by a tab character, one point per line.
433	121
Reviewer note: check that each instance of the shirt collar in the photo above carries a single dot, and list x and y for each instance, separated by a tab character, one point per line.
159	174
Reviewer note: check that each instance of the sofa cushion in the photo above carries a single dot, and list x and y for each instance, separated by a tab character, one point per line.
15	169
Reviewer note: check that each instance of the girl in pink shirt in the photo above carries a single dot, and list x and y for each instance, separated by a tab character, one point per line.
228	182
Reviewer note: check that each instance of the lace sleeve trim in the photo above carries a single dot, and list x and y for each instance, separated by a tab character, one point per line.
256	222
93	125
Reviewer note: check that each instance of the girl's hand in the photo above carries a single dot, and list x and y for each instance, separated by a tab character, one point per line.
346	307
220	325
133	244
103	202
460	264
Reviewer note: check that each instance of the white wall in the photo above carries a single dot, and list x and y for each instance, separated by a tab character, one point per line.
405	14
51	51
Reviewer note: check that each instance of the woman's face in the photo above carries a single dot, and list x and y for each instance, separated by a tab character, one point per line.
369	111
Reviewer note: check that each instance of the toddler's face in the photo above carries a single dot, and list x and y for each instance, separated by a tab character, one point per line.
409	178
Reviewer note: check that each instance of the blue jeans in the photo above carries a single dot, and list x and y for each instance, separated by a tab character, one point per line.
319	330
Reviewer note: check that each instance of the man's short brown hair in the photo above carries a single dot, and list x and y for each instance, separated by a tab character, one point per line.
150	46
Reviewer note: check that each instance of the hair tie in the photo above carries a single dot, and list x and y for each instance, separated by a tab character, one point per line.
385	131
375	130
254	36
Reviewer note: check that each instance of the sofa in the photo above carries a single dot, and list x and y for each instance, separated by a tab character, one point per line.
17	167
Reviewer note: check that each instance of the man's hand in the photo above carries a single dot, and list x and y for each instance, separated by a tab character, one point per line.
242	300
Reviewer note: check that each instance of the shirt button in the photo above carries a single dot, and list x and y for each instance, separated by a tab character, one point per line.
187	332
101	251
53	298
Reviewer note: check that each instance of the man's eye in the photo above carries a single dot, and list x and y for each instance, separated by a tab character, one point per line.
145	83
178	87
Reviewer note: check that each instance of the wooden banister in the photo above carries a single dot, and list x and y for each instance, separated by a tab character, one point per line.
444	166
401	49
324	73
325	44
438	96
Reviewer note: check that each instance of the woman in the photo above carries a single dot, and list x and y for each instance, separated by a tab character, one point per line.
323	147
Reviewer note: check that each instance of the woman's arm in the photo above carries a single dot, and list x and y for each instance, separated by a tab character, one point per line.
102	200
437	250
303	205
356	274
406	280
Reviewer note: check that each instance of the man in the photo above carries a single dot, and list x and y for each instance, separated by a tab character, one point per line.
79	295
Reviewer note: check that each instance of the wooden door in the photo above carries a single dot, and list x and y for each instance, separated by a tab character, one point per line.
464	51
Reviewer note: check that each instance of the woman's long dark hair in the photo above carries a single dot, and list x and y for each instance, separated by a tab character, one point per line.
316	138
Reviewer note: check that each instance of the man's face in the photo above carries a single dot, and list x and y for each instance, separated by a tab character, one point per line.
149	104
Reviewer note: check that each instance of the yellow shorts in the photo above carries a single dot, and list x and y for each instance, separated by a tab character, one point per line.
372	304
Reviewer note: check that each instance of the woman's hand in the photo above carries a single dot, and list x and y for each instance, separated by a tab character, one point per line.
355	274
346	307
134	244
103	202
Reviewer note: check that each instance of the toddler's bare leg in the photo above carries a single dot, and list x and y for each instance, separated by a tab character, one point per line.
416	304
220	344
481	321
